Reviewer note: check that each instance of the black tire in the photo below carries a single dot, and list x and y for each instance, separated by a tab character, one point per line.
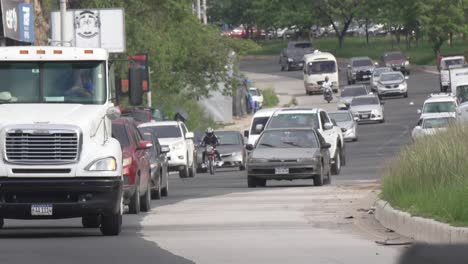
242	167
134	205
251	182
111	225
91	221
343	157
145	204
192	169
282	67
183	173
2	222
336	166
405	95
211	167
156	192
287	68
328	179
335	90
318	179
261	182
165	190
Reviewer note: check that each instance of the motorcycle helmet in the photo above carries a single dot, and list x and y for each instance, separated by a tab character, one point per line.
209	132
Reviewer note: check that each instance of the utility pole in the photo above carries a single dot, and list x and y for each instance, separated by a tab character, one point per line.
205	16
198	10
63	13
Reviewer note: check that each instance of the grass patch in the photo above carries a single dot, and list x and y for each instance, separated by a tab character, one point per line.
270	99
429	178
356	46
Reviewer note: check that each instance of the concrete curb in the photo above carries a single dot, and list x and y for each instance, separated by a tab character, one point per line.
418	228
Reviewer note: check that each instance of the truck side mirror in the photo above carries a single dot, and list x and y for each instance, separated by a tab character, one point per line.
135	86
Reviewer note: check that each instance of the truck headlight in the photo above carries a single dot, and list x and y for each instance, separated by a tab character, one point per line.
106	164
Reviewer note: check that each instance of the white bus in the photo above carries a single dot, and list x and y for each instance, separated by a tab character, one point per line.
317	66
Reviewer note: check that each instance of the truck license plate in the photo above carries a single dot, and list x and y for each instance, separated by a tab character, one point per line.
41	209
281	170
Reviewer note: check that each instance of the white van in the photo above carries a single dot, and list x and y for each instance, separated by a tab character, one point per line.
259	121
317	66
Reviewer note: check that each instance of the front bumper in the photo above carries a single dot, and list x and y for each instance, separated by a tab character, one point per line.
296	171
296	64
369	117
362	76
178	158
75	197
391	92
350	134
230	160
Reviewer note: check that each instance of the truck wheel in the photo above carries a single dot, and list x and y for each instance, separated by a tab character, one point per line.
91	221
336	166
318	179
145	205
251	182
156	193
134	206
111	225
165	190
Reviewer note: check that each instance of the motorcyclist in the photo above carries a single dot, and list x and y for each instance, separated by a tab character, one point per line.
210	139
326	87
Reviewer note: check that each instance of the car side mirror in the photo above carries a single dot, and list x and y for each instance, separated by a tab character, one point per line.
145	144
246	133
419	111
249	147
417	127
328	126
165	149
406	77
343	129
259	127
189	135
326	146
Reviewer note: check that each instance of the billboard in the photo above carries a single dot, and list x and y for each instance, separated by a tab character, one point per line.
18	20
91	28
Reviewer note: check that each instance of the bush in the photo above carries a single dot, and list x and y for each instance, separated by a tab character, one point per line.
270	99
429	177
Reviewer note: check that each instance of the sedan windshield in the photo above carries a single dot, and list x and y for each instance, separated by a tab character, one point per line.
437	122
439	107
392	77
362	63
172	131
365	101
288	139
353	91
379	71
228	138
294	120
340	116
303	45
53	82
320	67
394	56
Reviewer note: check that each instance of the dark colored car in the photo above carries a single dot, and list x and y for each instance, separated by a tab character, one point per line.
158	164
360	70
136	165
292	57
397	61
145	114
288	154
231	148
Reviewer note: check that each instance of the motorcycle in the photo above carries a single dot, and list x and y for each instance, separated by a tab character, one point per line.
211	156
328	94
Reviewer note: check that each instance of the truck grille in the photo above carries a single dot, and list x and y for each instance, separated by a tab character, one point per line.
49	147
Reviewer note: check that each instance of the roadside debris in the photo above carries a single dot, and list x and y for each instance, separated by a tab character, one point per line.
391	242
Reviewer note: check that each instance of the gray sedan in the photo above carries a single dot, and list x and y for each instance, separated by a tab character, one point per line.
288	154
346	121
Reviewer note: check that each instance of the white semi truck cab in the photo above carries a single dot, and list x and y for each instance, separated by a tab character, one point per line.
58	156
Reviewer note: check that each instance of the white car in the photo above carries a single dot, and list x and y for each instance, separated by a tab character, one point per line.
432	124
368	108
392	84
182	150
313	118
259	121
257	96
439	103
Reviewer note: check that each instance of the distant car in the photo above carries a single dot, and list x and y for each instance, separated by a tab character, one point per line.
231	149
180	141
288	154
368	109
432	124
346	121
292	57
158	162
397	61
439	103
349	92
238	32
257	96
259	121
376	76
360	69
392	84
136	165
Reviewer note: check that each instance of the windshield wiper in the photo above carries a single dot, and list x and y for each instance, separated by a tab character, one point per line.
267	145
293	144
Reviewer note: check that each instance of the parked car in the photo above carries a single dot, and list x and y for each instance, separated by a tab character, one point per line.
368	108
439	103
292	57
432	124
182	148
392	84
257	96
313	118
288	154
349	92
259	121
376	76
158	162
346	121
360	69
397	61
136	165
231	149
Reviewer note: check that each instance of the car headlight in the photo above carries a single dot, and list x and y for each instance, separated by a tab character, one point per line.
178	146
127	162
406	63
290	59
106	164
254	160
154	165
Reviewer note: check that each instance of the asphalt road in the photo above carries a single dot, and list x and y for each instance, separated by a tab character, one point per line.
217	219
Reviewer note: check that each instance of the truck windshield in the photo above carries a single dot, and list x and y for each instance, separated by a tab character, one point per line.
53	82
320	67
462	93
